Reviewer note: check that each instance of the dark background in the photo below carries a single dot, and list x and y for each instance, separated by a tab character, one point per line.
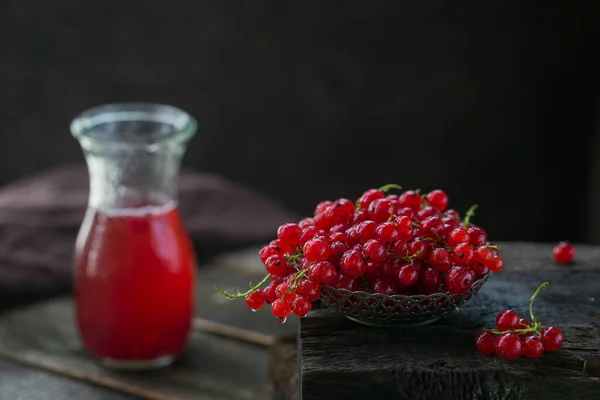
494	102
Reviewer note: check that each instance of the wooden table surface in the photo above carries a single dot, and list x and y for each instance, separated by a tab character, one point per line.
227	358
344	360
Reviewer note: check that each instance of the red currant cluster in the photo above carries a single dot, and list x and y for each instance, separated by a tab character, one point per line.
405	243
515	336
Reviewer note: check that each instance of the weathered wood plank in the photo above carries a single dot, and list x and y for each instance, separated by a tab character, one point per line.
214	367
344	360
18	382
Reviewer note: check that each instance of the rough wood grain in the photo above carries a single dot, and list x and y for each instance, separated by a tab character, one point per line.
283	368
344	360
214	367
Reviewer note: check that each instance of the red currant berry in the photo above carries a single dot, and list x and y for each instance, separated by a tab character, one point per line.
482	255
564	253
289	233
453	214
407	212
446	229
366	231
374	250
284	247
338	228
399	248
419	249
352	235
316	250
352	264
285	292
495	264
268	251
552	338
431	281
388	269
280	308
411	199
322	221
440	259
458	236
387	232
322	272
360	216
322	206
307	234
269	292
451	222
480	271
477	235
372	268
427	212
301	306
380	210
507	320
308	289
486	342
383	286
276	265
459	279
532	346
369	196
463	254
509	346
255	300
408	275
306	222
437	199
340	212
338	237
345	282
336	250
404	224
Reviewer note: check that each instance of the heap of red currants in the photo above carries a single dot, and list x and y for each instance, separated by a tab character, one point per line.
407	243
515	336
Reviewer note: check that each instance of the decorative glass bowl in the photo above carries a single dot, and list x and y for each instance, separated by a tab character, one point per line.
380	310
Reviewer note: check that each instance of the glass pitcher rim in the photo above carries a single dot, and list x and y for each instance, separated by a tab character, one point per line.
184	123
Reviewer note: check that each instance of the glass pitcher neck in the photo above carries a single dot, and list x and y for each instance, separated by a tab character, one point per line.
133	152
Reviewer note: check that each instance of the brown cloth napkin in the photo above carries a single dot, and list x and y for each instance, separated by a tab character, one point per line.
40	218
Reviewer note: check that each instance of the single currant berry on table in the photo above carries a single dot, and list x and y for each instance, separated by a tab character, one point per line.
507	320
255	300
440	259
486	342
368	197
509	346
289	233
564	253
280	308
552	338
301	306
532	346
316	250
459	279
463	254
458	236
437	199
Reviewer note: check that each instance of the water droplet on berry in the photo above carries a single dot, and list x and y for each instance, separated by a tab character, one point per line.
281	320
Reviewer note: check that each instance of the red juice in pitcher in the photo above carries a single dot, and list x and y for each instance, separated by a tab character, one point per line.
134	262
134	280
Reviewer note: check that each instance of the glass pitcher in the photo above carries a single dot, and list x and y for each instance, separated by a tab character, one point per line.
134	263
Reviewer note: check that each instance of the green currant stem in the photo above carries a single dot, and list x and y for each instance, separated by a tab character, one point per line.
246	293
493	247
470	214
532	299
533	328
390	186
